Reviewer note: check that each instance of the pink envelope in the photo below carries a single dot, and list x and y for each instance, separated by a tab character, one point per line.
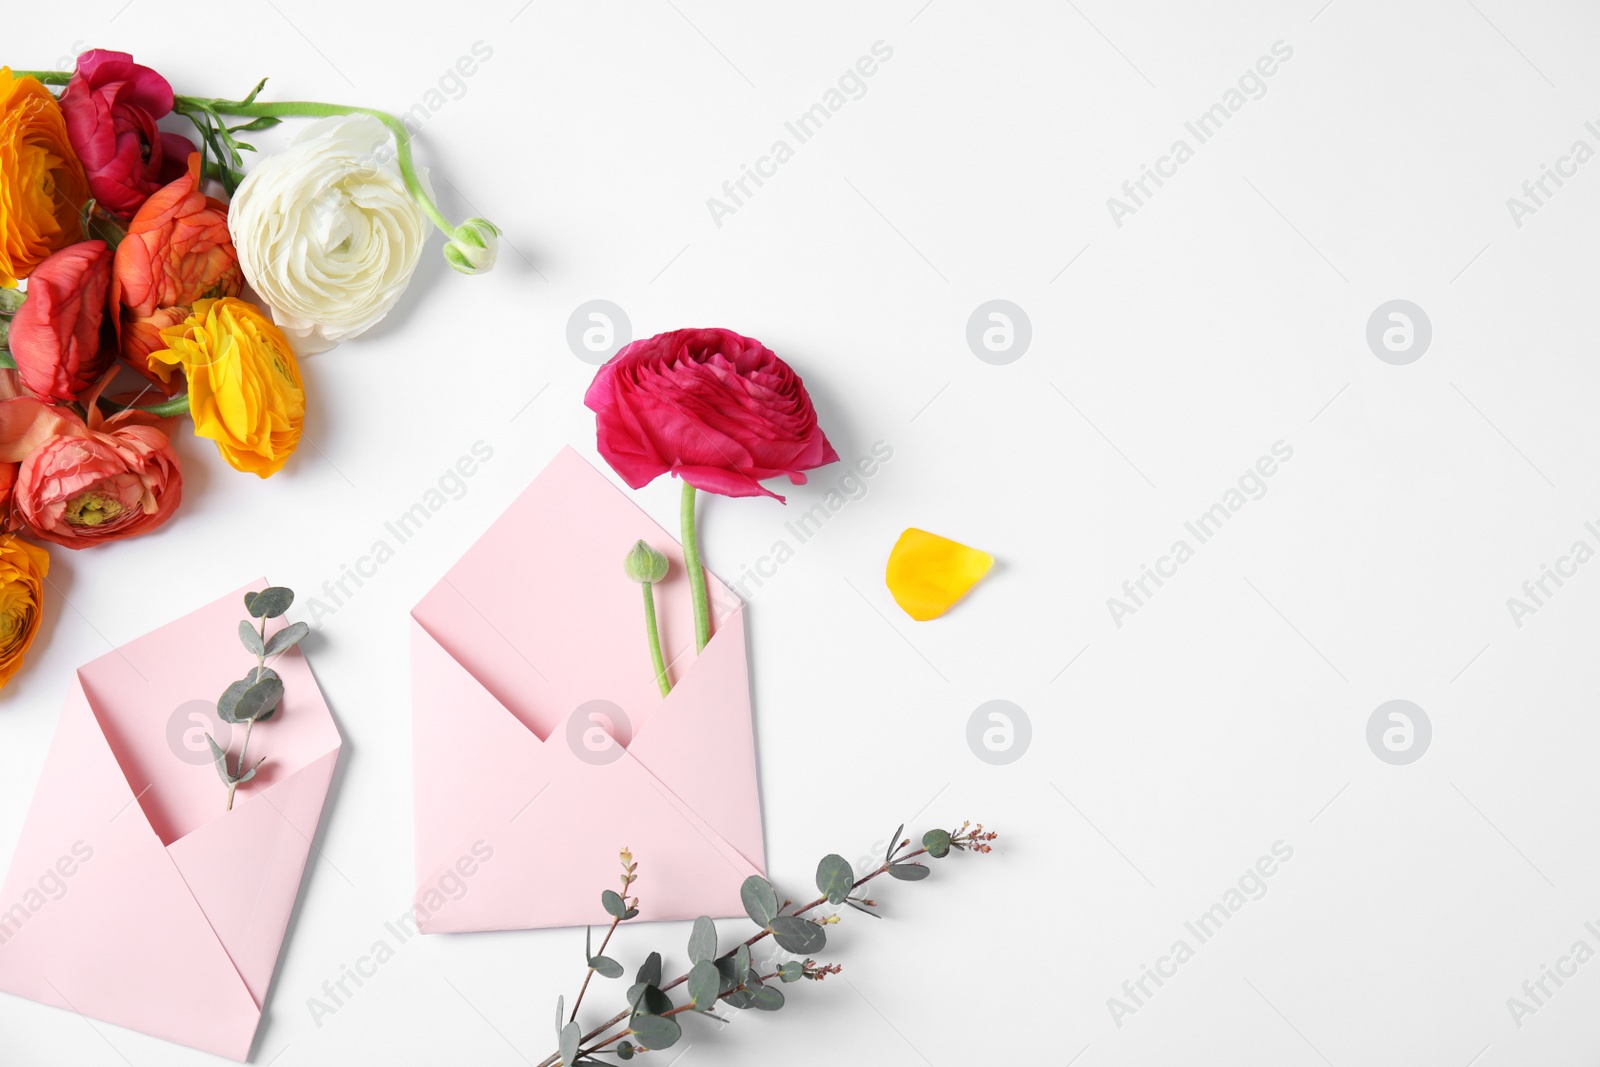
134	897
542	744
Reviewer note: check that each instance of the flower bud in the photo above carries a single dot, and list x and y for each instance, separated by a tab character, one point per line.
473	247
644	564
11	300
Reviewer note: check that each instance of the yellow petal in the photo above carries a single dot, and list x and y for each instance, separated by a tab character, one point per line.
928	573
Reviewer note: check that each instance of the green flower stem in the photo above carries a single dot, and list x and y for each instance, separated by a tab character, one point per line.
178	405
311	109
45	77
655	649
697	574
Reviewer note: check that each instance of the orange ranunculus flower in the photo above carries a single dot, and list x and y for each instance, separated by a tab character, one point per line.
22	571
177	252
245	391
42	184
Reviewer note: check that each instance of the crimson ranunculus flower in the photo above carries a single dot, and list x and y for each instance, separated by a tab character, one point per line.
177	252
111	105
56	336
82	484
715	408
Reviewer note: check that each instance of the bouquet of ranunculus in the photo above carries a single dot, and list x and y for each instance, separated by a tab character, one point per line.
130	264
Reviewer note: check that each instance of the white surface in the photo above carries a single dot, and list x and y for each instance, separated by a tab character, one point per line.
1226	315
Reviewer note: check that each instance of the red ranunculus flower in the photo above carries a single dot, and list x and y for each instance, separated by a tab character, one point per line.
715	408
111	105
177	252
56	336
82	484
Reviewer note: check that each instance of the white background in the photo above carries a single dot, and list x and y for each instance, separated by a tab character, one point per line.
1168	354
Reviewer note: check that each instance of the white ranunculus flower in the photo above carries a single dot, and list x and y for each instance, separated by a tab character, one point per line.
326	231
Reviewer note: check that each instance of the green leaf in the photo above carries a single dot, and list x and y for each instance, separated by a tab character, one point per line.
650	970
561	1015
606	967
571	1036
655	1032
760	901
703	940
766	997
265	122
740	999
835	878
625	1050
728	973
228	703
800	936
894	844
862	908
741	964
220	758
614	904
646	999
792	971
252	95
7	360
259	700
286	638
11	301
272	601
909	872
704	985
250	637
937	842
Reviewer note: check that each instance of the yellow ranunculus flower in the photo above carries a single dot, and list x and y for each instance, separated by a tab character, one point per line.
22	571
244	385
42	184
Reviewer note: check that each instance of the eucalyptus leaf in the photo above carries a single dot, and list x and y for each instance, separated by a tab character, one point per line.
287	638
862	908
625	1050
800	936
835	878
220	758
766	997
894	844
259	700
274	600
646	999
937	842
614	904
703	940
760	900
650	970
606	967
571	1037
792	971
251	637
728	973
741	964
740	999
656	1032
909	872
561	1015
704	985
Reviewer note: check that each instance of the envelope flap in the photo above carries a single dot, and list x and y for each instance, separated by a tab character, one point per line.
540	612
143	687
245	869
95	918
709	711
465	744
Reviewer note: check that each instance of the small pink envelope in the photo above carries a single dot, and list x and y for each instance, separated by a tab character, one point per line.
133	896
542	744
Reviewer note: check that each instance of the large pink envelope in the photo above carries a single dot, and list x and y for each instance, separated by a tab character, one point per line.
133	896
542	743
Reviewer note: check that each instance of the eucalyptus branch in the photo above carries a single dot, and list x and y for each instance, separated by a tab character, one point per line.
255	697
650	1021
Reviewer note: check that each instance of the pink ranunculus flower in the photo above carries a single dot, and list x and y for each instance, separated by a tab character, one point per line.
111	107
82	484
713	407
57	336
